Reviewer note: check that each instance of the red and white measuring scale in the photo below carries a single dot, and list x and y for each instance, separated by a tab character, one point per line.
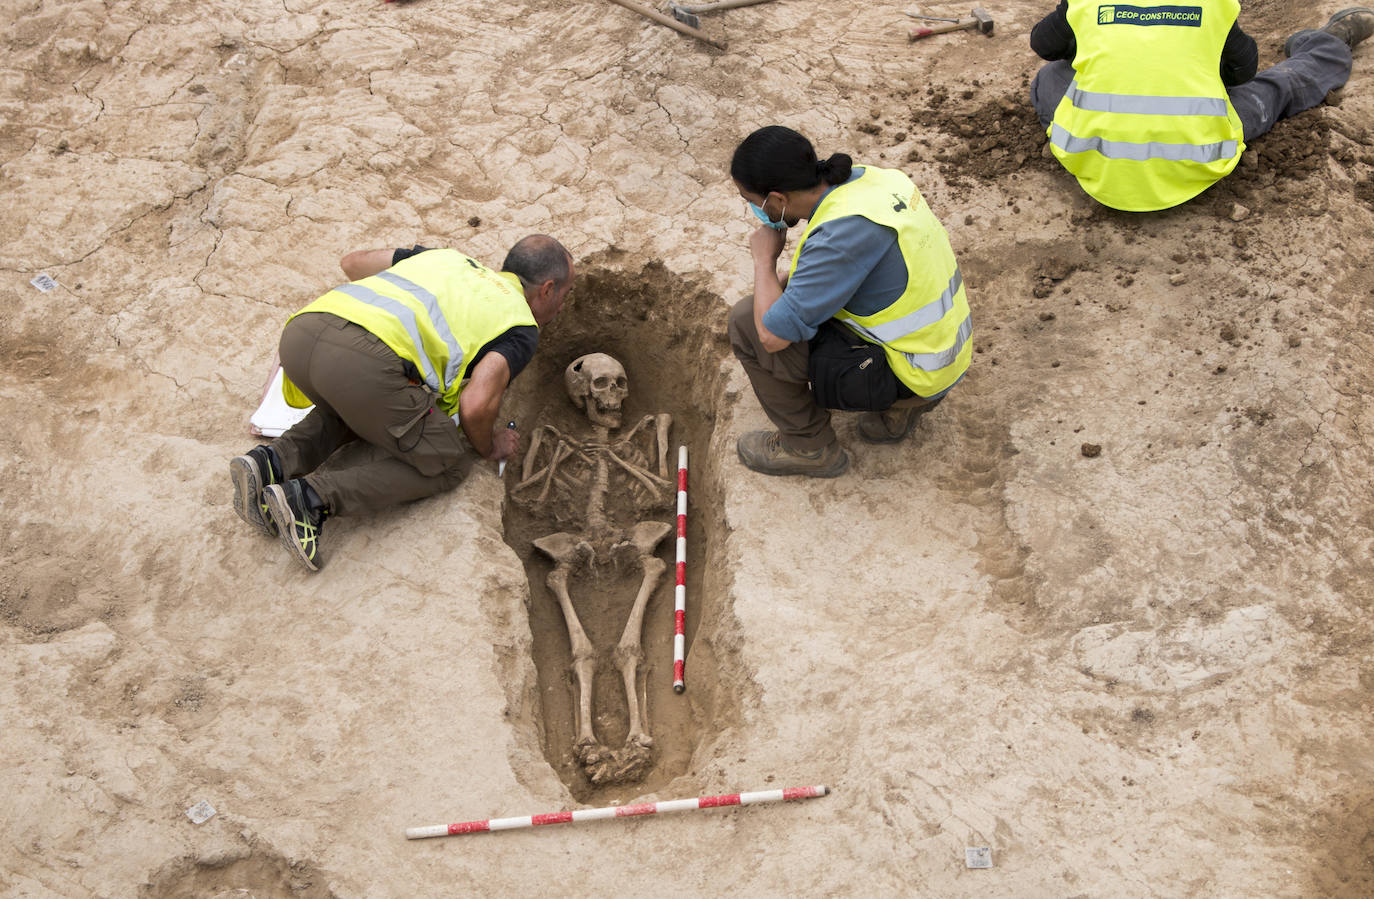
680	592
616	811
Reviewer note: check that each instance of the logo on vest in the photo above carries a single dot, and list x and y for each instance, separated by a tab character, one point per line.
900	204
1186	16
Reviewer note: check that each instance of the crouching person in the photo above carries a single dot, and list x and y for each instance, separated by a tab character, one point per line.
412	357
872	315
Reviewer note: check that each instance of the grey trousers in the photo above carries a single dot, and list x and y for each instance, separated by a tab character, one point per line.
362	392
1320	63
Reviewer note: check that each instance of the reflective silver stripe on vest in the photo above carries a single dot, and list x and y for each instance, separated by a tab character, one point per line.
1142	152
929	314
1136	104
406	315
937	361
436	316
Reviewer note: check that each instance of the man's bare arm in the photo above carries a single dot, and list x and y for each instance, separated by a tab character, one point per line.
365	263
480	404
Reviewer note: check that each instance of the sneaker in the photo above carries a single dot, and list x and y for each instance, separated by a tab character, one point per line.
888	426
763	452
252	474
298	524
1351	25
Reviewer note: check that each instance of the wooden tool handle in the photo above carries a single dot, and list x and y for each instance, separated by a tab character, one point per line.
918	33
671	23
723	4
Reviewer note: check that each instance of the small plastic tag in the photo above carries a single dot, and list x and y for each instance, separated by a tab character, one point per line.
978	857
200	812
44	283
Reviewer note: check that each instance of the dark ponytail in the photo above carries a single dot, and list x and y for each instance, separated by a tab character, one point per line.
775	158
836	169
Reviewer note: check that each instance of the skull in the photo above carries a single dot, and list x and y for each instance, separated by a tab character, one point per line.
597	385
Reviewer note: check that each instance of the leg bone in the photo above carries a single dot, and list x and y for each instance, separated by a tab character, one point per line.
630	651
569	552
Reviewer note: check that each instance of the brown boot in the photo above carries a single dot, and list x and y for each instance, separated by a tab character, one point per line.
763	452
1351	25
888	426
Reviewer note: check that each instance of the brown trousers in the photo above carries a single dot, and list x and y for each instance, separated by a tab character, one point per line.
783	386
361	392
781	383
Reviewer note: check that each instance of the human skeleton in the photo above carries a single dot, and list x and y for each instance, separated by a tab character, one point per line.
559	465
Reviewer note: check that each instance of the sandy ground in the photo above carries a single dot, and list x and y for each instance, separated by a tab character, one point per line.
1145	672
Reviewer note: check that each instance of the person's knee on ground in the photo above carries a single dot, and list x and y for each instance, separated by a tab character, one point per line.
454	472
377	478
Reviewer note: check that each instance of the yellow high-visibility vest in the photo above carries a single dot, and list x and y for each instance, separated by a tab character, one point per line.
926	331
1146	123
435	309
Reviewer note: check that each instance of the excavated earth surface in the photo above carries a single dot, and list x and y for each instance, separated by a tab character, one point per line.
1107	613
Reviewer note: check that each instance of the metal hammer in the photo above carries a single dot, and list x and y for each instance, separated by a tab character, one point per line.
980	19
687	15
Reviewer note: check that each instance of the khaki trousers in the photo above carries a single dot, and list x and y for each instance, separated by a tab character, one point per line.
362	392
781	383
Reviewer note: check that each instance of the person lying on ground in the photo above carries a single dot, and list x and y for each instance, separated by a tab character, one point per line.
1148	106
872	315
412	357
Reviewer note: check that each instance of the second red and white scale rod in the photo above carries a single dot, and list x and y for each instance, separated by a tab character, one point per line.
680	593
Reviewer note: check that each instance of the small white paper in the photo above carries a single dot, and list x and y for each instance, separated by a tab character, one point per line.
978	857
200	812
273	417
44	283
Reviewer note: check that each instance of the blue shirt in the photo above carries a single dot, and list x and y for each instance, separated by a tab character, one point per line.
847	263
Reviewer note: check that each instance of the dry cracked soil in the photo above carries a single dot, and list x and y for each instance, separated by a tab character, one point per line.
1107	613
